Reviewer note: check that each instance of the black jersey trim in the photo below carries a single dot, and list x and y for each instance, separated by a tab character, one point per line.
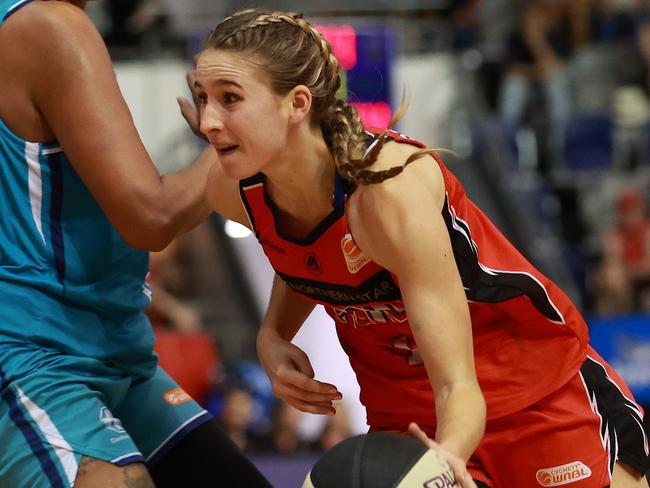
380	287
484	284
621	420
336	213
245	185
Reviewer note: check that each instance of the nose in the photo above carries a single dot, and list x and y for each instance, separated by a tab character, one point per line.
210	120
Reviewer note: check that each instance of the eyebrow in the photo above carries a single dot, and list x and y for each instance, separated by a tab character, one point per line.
219	82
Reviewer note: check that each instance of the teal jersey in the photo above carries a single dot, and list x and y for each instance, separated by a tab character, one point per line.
67	278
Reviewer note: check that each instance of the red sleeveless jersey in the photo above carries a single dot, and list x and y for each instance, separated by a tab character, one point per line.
529	339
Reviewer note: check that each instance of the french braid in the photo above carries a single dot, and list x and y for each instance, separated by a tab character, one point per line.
294	53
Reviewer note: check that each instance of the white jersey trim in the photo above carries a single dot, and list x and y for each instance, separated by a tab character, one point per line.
241	199
125	456
178	429
35	185
15	7
604	436
455	218
62	449
632	405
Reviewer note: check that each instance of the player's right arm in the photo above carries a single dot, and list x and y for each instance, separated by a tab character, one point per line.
60	65
286	365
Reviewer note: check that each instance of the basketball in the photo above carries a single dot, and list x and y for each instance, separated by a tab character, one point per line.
380	460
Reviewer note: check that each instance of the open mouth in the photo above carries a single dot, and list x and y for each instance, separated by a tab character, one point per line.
226	150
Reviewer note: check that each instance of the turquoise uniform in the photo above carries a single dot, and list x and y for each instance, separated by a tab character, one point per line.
78	375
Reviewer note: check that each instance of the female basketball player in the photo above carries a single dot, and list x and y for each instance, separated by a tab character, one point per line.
439	314
82	401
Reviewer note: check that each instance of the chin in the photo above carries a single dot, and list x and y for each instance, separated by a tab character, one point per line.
238	171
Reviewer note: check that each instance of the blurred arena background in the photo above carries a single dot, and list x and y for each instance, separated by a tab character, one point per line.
546	105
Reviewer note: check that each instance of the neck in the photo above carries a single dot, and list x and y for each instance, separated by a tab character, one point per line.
302	183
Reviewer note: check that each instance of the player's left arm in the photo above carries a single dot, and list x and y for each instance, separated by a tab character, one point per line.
399	225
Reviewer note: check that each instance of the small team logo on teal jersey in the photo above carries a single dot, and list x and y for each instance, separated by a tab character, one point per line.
111	423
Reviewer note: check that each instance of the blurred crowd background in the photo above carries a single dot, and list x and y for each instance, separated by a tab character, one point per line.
546	106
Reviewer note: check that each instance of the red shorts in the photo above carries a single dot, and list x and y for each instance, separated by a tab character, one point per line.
572	437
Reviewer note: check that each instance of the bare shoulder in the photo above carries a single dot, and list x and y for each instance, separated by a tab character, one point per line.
59	35
45	40
421	177
380	212
393	153
38	21
41	45
223	196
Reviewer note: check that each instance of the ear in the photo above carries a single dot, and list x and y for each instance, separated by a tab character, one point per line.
300	98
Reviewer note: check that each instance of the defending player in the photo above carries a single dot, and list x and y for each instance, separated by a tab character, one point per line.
82	401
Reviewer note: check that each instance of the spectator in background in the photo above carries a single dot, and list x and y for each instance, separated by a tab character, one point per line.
284	436
623	281
336	429
236	416
169	279
134	24
538	51
644	48
631	100
121	31
188	354
616	20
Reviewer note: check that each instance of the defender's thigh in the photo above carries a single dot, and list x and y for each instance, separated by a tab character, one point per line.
55	412
95	473
157	413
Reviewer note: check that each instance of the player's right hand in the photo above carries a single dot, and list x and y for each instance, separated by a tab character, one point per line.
292	376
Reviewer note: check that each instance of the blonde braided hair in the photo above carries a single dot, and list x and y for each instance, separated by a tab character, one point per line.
293	53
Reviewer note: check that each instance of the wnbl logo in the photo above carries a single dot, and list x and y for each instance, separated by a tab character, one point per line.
564	474
355	259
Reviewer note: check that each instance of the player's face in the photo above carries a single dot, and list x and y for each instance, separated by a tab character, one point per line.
240	114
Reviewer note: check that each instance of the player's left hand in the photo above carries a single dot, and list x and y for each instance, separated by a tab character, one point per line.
463	478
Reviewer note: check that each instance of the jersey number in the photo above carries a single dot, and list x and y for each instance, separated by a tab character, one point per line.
406	347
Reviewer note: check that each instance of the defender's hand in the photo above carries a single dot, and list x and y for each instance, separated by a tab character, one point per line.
191	111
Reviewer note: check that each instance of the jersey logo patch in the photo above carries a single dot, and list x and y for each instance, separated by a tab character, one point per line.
312	265
176	396
563	475
111	423
355	259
